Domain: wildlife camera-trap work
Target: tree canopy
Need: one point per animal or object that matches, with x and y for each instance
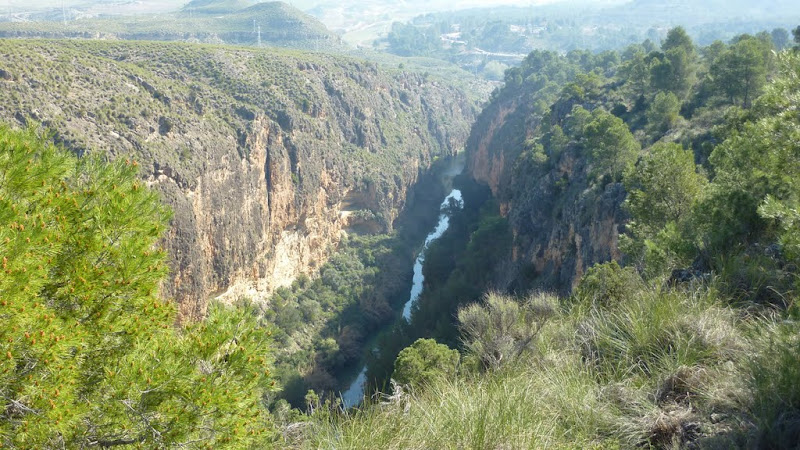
(90, 352)
(423, 361)
(610, 143)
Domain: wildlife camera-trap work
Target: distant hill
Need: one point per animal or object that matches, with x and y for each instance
(218, 6)
(691, 12)
(207, 21)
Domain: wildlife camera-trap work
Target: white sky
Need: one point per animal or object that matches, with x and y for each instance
(302, 4)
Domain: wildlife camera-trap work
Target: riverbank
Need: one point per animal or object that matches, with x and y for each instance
(354, 395)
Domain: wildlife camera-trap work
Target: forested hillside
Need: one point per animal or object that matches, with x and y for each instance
(657, 192)
(298, 145)
(271, 162)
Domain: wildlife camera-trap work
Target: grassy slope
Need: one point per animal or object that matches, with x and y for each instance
(664, 369)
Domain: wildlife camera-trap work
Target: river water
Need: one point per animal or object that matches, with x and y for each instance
(355, 394)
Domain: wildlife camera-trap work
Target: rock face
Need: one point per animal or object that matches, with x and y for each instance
(561, 221)
(265, 157)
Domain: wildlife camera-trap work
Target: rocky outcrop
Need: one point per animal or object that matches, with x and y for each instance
(563, 224)
(562, 221)
(265, 158)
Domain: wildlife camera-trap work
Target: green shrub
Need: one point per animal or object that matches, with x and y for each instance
(608, 285)
(611, 145)
(424, 361)
(664, 112)
(500, 330)
(658, 332)
(775, 372)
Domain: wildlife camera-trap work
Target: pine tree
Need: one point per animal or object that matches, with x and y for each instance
(90, 352)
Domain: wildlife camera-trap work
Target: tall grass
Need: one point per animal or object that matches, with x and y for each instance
(559, 407)
(775, 385)
(655, 369)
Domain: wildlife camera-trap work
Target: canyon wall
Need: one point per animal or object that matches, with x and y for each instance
(266, 157)
(562, 221)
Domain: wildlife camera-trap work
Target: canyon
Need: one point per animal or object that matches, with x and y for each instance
(266, 157)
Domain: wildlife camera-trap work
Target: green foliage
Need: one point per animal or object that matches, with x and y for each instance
(423, 362)
(577, 121)
(756, 162)
(648, 372)
(556, 142)
(656, 332)
(739, 73)
(780, 38)
(514, 408)
(664, 112)
(775, 371)
(458, 267)
(707, 359)
(674, 70)
(636, 72)
(663, 189)
(408, 40)
(322, 324)
(677, 38)
(90, 352)
(608, 285)
(494, 70)
(612, 147)
(788, 218)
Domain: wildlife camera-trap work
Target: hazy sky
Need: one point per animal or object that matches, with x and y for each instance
(302, 4)
(436, 4)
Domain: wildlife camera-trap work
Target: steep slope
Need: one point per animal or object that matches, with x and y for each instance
(264, 156)
(646, 354)
(217, 22)
(560, 225)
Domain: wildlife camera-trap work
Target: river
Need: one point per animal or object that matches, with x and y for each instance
(355, 394)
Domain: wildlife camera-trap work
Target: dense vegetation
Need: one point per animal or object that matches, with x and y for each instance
(91, 355)
(692, 340)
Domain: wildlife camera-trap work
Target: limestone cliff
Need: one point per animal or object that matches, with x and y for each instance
(265, 157)
(561, 220)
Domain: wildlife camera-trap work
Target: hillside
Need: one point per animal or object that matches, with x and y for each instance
(214, 22)
(631, 282)
(264, 156)
(217, 6)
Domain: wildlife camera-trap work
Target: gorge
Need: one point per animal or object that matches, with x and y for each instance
(291, 144)
(355, 392)
(207, 245)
